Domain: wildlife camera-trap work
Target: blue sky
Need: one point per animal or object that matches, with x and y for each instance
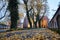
(53, 4)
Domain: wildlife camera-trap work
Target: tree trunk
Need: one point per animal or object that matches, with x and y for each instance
(13, 8)
(37, 20)
(27, 13)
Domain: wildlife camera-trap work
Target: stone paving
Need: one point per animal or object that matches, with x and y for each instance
(33, 34)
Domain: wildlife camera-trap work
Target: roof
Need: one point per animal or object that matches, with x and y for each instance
(55, 13)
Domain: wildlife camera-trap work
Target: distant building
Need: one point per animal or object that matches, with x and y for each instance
(44, 22)
(55, 21)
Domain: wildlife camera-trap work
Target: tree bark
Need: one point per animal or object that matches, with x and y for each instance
(13, 8)
(27, 13)
(28, 16)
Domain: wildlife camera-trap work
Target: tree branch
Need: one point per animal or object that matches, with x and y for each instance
(43, 14)
(30, 9)
(3, 6)
(25, 1)
(4, 15)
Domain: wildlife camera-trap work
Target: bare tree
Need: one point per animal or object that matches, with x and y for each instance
(27, 12)
(35, 5)
(38, 6)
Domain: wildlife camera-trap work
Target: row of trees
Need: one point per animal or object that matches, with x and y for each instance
(35, 15)
(33, 12)
(14, 12)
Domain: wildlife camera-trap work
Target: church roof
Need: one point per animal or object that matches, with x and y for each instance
(55, 13)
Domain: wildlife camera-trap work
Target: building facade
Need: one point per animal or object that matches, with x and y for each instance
(44, 22)
(55, 21)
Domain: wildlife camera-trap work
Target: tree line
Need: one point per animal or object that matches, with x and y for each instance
(13, 8)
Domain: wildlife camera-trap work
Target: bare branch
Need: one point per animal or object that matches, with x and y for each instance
(43, 14)
(30, 9)
(4, 15)
(3, 6)
(25, 1)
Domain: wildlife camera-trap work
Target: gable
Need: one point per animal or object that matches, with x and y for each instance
(57, 13)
